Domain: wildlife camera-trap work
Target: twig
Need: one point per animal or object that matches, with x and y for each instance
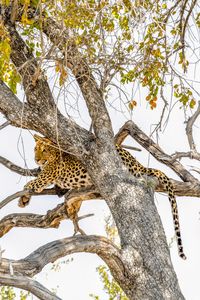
(196, 170)
(4, 125)
(189, 126)
(85, 216)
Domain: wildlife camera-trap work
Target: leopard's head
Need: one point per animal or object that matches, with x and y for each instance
(45, 150)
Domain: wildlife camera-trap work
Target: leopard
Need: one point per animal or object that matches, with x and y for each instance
(57, 167)
(68, 172)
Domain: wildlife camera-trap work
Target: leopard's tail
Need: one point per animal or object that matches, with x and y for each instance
(174, 208)
(165, 181)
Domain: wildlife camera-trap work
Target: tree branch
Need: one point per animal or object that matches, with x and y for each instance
(37, 260)
(52, 219)
(130, 128)
(36, 88)
(189, 154)
(17, 113)
(25, 283)
(189, 127)
(26, 194)
(21, 171)
(4, 125)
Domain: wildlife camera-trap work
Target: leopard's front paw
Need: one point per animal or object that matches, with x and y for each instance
(24, 200)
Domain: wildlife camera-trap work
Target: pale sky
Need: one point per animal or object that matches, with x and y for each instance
(77, 279)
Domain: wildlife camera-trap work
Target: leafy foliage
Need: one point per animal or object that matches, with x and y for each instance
(141, 41)
(8, 72)
(7, 293)
(110, 286)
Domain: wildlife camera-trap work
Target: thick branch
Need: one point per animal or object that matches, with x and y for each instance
(189, 127)
(130, 128)
(36, 261)
(24, 172)
(29, 285)
(72, 204)
(16, 112)
(183, 189)
(35, 85)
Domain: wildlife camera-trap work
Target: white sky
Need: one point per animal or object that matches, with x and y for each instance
(77, 279)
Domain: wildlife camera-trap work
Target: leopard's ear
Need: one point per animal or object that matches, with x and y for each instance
(38, 138)
(42, 139)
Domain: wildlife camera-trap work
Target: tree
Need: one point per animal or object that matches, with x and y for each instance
(96, 46)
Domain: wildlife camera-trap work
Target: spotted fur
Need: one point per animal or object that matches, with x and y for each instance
(139, 170)
(66, 171)
(58, 167)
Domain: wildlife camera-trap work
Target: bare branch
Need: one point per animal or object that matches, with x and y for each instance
(131, 128)
(130, 148)
(26, 193)
(190, 154)
(25, 283)
(35, 262)
(51, 220)
(53, 217)
(4, 125)
(196, 170)
(189, 126)
(188, 189)
(24, 172)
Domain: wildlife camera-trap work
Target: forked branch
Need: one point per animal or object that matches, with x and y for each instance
(52, 219)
